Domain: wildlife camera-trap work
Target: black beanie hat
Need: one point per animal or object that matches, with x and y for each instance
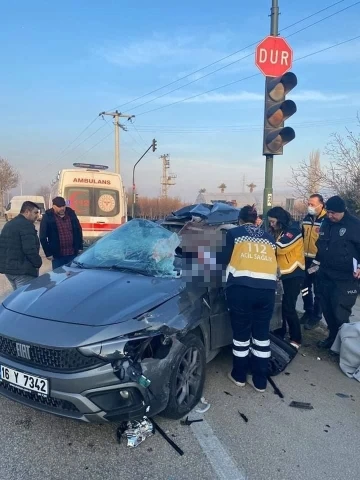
(336, 204)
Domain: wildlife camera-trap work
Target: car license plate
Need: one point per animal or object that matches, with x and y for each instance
(25, 381)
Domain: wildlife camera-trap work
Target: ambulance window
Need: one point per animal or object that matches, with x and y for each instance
(106, 203)
(79, 200)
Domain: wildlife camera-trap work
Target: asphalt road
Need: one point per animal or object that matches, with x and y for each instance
(277, 442)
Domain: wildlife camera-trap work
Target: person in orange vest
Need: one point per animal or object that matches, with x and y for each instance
(291, 263)
(310, 229)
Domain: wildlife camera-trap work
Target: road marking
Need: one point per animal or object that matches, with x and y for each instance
(218, 457)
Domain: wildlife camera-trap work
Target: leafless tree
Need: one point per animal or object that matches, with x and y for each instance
(45, 191)
(341, 176)
(9, 178)
(308, 177)
(157, 207)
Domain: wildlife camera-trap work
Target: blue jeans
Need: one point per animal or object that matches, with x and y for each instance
(60, 261)
(17, 281)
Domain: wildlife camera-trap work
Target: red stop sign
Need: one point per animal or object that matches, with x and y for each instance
(273, 56)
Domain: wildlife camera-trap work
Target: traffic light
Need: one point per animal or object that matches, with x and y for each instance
(154, 143)
(277, 110)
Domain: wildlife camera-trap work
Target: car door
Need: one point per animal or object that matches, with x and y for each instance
(220, 325)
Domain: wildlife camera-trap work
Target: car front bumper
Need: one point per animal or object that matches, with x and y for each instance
(95, 395)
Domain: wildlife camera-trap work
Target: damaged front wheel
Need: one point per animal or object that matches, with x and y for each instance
(187, 378)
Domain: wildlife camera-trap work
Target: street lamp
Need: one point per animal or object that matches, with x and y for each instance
(153, 146)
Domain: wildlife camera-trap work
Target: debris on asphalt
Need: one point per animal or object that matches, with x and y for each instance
(228, 393)
(276, 389)
(303, 354)
(312, 385)
(135, 432)
(287, 373)
(189, 422)
(244, 417)
(327, 431)
(206, 406)
(328, 426)
(343, 395)
(302, 405)
(306, 370)
(318, 358)
(163, 434)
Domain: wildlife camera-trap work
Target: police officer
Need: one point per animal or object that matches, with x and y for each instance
(310, 228)
(338, 264)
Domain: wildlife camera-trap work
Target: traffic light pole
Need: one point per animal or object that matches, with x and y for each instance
(269, 159)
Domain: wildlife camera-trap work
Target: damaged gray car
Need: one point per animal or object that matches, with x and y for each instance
(120, 332)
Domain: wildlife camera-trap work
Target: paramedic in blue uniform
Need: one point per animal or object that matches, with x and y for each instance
(250, 262)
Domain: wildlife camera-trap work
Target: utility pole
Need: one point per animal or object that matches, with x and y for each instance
(167, 179)
(269, 159)
(116, 116)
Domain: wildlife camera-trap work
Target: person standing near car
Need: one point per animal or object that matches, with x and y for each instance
(338, 266)
(291, 262)
(60, 234)
(20, 259)
(310, 228)
(250, 262)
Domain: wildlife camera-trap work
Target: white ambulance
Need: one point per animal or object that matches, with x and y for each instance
(98, 198)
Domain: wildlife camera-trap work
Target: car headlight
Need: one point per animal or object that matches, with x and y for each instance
(156, 346)
(113, 349)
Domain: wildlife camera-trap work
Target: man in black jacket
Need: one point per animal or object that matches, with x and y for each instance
(60, 234)
(338, 264)
(19, 247)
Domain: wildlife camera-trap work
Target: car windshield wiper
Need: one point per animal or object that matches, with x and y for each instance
(78, 264)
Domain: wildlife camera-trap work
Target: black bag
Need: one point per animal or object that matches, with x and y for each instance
(282, 353)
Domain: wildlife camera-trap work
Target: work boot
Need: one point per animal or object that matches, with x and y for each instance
(312, 323)
(305, 318)
(327, 343)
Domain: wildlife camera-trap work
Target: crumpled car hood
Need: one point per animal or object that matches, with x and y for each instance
(91, 297)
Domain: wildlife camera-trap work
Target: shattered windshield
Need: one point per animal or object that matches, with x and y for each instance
(140, 245)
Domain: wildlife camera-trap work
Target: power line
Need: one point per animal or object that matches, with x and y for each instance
(73, 149)
(244, 78)
(87, 138)
(96, 144)
(236, 128)
(137, 131)
(328, 48)
(240, 59)
(313, 15)
(323, 19)
(83, 131)
(228, 56)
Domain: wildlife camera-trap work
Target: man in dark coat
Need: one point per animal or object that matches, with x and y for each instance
(60, 234)
(338, 264)
(19, 247)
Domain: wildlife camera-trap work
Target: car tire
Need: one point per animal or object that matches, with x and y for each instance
(186, 390)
